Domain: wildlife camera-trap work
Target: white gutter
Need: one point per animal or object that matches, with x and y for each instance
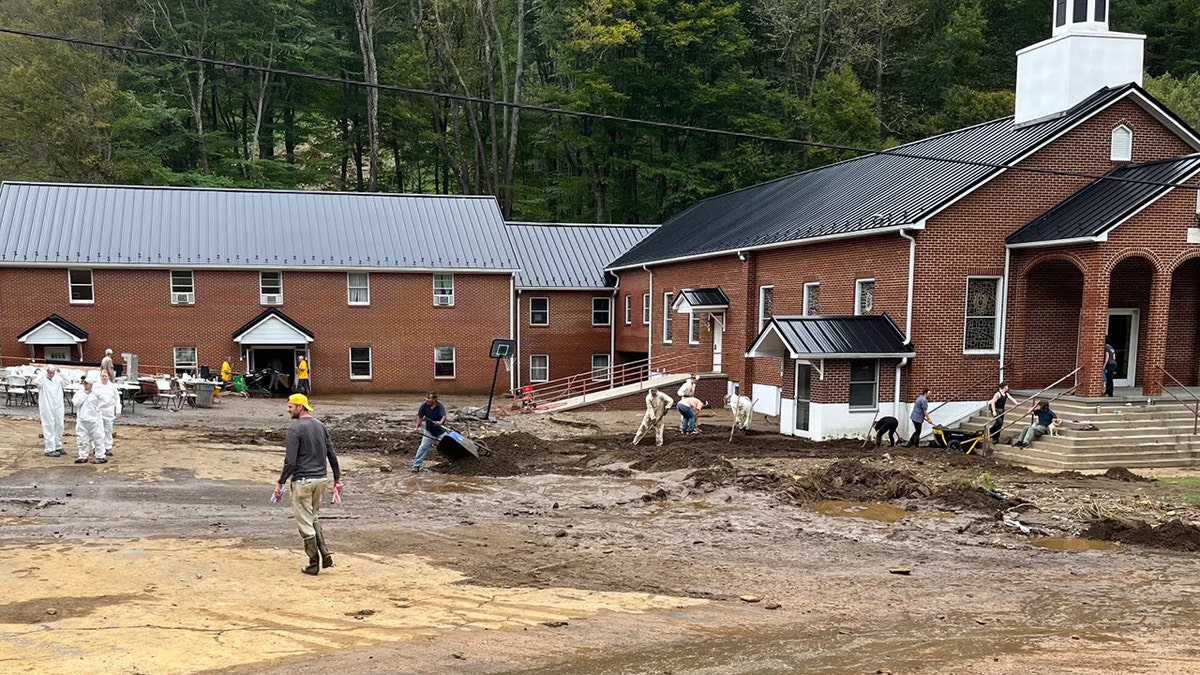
(650, 328)
(1061, 242)
(1004, 308)
(783, 244)
(514, 331)
(912, 266)
(246, 265)
(612, 329)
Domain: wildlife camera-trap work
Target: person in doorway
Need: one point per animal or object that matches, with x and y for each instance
(50, 405)
(302, 384)
(226, 373)
(110, 409)
(1110, 366)
(920, 415)
(106, 365)
(996, 406)
(309, 449)
(89, 426)
(886, 425)
(433, 415)
(1043, 417)
(688, 388)
(657, 405)
(689, 408)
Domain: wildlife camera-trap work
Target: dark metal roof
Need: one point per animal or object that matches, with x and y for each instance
(1105, 204)
(865, 194)
(557, 255)
(275, 313)
(826, 337)
(57, 321)
(92, 225)
(703, 298)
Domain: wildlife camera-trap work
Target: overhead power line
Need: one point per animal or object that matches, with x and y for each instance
(83, 42)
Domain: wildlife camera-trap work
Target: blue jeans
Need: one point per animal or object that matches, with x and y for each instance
(687, 418)
(428, 440)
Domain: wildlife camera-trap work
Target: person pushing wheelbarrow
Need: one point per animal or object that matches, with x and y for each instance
(433, 414)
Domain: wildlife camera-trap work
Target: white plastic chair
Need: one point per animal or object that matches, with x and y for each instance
(15, 387)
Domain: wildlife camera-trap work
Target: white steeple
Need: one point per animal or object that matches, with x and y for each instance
(1082, 57)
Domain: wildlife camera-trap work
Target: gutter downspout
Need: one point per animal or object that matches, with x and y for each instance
(514, 306)
(912, 264)
(612, 330)
(650, 327)
(1004, 310)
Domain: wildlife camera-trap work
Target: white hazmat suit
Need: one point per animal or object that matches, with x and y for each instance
(110, 410)
(657, 405)
(50, 405)
(743, 410)
(89, 425)
(688, 388)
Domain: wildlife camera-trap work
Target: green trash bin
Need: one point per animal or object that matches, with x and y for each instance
(204, 396)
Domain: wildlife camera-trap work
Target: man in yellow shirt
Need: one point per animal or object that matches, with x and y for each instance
(226, 371)
(302, 384)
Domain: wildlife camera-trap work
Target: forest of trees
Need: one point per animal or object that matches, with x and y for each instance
(864, 73)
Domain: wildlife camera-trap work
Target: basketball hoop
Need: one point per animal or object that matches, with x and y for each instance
(508, 363)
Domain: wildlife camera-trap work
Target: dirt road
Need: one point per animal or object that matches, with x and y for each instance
(567, 551)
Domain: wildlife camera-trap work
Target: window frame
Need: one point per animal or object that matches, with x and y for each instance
(808, 308)
(628, 309)
(646, 300)
(91, 286)
(546, 310)
(262, 294)
(195, 363)
(351, 362)
(668, 319)
(693, 328)
(995, 349)
(350, 288)
(453, 362)
(859, 285)
(545, 367)
(1127, 137)
(449, 297)
(851, 383)
(65, 350)
(762, 305)
(606, 368)
(607, 311)
(175, 293)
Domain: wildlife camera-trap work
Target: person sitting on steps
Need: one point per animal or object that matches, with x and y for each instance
(1043, 418)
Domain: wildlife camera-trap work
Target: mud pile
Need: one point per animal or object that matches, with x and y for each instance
(1174, 534)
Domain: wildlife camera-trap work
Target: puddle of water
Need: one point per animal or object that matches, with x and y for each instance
(1069, 544)
(884, 513)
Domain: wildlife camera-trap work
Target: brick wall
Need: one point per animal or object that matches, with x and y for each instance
(569, 339)
(132, 313)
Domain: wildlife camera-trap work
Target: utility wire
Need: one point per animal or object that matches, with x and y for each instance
(83, 42)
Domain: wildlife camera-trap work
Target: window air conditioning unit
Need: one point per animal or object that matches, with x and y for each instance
(183, 298)
(441, 300)
(270, 299)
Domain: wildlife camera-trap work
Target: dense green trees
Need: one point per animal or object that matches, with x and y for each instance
(868, 73)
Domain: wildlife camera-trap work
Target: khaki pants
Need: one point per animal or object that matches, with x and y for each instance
(652, 420)
(306, 502)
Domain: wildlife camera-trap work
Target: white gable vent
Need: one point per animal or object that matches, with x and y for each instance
(1122, 144)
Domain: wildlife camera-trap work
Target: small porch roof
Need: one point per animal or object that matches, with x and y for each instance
(54, 330)
(831, 337)
(692, 300)
(272, 327)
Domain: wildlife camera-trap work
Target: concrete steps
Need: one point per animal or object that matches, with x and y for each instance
(1130, 436)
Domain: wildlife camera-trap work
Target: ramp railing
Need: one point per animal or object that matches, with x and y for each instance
(1194, 408)
(544, 394)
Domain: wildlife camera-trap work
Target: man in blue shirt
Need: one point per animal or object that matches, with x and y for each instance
(920, 415)
(1043, 418)
(433, 414)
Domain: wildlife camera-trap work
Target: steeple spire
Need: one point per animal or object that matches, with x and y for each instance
(1080, 15)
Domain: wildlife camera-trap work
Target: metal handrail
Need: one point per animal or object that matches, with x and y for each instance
(1195, 411)
(987, 427)
(582, 384)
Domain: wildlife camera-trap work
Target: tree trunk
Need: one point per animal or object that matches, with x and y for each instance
(364, 20)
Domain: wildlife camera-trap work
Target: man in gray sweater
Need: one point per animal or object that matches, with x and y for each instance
(308, 450)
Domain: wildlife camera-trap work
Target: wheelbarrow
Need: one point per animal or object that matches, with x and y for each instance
(957, 439)
(455, 446)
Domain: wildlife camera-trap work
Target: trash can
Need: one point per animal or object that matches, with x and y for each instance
(204, 396)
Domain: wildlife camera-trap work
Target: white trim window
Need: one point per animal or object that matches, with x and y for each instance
(1122, 144)
(601, 311)
(443, 363)
(358, 288)
(628, 309)
(812, 299)
(80, 288)
(981, 317)
(539, 367)
(183, 287)
(646, 296)
(694, 328)
(443, 290)
(766, 305)
(864, 297)
(668, 320)
(360, 363)
(186, 360)
(539, 311)
(600, 368)
(270, 287)
(864, 384)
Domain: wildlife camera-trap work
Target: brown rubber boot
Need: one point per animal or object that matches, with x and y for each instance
(326, 558)
(314, 556)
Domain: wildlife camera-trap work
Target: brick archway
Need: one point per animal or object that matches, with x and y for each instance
(1131, 285)
(1182, 352)
(1049, 307)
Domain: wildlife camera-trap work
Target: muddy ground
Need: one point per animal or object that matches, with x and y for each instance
(567, 550)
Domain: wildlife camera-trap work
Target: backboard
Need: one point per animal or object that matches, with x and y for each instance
(503, 348)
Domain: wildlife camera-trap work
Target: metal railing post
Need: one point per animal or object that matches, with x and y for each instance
(1195, 411)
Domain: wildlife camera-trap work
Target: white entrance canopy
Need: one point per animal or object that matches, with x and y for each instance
(56, 331)
(692, 300)
(272, 327)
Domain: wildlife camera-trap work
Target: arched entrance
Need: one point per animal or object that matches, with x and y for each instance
(1129, 288)
(1053, 300)
(1183, 325)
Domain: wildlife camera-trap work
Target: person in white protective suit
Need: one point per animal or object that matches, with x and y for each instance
(657, 405)
(110, 408)
(688, 388)
(743, 410)
(89, 425)
(50, 405)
